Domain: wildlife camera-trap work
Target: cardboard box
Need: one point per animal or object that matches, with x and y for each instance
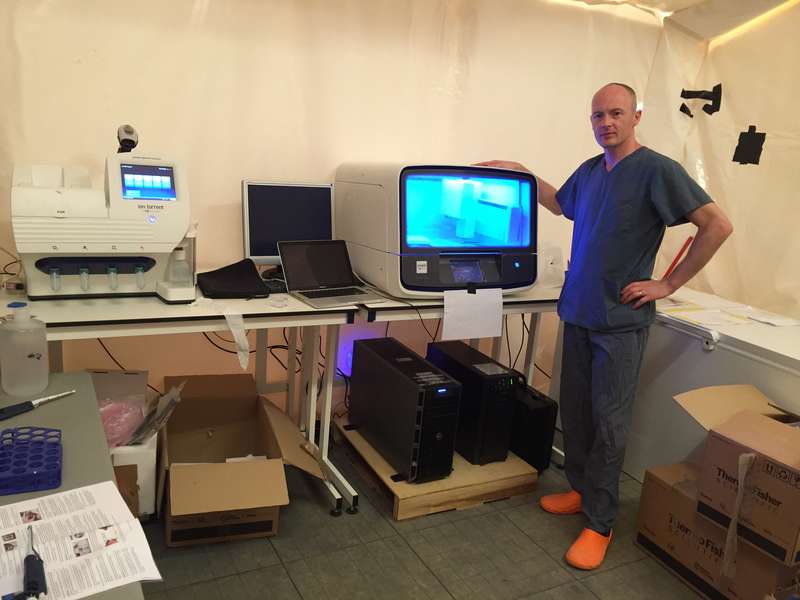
(131, 386)
(741, 420)
(670, 529)
(126, 477)
(221, 417)
(770, 514)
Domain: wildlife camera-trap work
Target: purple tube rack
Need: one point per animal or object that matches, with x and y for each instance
(30, 459)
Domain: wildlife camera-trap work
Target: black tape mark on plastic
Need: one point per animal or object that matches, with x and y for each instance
(748, 150)
(714, 95)
(686, 110)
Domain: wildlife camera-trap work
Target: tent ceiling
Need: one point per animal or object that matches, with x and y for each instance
(705, 18)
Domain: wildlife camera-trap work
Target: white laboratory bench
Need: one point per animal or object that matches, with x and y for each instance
(134, 316)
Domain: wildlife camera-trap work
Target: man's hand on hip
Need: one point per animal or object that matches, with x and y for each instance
(642, 292)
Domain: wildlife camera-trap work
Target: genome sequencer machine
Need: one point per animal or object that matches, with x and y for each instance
(419, 230)
(134, 238)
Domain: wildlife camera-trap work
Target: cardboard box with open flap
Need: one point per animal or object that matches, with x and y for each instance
(670, 529)
(219, 418)
(742, 421)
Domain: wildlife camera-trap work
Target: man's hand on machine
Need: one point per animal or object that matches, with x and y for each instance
(642, 292)
(503, 164)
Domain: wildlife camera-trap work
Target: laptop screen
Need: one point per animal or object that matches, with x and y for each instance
(316, 265)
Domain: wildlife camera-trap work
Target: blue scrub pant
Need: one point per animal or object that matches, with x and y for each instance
(599, 373)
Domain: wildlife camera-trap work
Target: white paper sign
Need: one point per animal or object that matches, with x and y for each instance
(475, 315)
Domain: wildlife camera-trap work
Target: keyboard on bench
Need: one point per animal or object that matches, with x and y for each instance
(333, 293)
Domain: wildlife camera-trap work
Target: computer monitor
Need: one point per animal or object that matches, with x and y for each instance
(282, 212)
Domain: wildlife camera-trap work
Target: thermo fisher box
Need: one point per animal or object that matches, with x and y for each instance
(417, 230)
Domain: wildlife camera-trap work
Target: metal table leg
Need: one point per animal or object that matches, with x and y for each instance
(310, 359)
(333, 474)
(261, 361)
(291, 368)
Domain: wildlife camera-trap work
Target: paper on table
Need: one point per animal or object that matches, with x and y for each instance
(709, 317)
(87, 537)
(769, 318)
(472, 315)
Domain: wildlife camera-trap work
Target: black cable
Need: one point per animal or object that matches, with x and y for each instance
(280, 362)
(436, 333)
(406, 302)
(116, 362)
(538, 368)
(386, 333)
(13, 262)
(223, 338)
(213, 343)
(508, 340)
(521, 342)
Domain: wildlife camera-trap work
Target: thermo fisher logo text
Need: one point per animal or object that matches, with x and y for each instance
(766, 497)
(678, 527)
(727, 477)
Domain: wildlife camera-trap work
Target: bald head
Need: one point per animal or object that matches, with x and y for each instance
(619, 87)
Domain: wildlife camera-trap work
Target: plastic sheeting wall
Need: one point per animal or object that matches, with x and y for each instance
(757, 66)
(282, 90)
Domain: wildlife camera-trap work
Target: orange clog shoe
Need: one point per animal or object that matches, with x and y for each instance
(568, 503)
(589, 550)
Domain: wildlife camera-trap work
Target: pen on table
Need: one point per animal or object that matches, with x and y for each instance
(23, 407)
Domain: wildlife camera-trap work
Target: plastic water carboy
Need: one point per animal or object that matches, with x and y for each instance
(24, 367)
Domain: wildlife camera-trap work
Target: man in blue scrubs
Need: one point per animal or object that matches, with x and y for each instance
(620, 201)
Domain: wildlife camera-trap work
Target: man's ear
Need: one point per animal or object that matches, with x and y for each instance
(637, 116)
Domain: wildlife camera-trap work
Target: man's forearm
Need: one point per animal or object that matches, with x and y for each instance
(706, 243)
(547, 197)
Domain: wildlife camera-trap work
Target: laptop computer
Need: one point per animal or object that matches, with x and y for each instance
(319, 273)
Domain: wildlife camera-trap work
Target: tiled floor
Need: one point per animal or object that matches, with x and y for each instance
(507, 549)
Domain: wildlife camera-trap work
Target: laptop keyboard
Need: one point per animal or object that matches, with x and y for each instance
(333, 293)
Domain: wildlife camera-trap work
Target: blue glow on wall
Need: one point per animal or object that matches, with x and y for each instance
(347, 335)
(446, 211)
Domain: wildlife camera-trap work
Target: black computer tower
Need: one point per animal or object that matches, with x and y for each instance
(534, 427)
(405, 407)
(487, 400)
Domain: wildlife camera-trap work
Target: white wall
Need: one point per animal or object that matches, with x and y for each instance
(282, 90)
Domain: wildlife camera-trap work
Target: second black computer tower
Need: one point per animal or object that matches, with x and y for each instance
(534, 427)
(487, 400)
(405, 407)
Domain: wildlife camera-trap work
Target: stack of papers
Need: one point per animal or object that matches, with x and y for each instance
(721, 314)
(87, 538)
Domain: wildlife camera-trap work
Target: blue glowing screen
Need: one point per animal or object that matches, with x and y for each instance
(147, 182)
(459, 211)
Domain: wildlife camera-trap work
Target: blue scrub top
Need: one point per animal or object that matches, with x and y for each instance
(619, 221)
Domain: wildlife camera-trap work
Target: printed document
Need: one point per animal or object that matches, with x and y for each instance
(87, 538)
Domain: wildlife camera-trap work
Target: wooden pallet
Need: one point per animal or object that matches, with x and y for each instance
(468, 484)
